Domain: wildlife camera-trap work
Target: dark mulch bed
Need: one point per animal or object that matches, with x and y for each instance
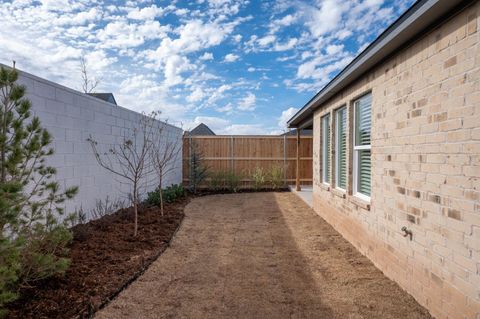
(105, 258)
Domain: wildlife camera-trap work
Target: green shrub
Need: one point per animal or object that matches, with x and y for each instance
(259, 177)
(170, 194)
(232, 181)
(179, 190)
(217, 181)
(173, 193)
(276, 177)
(198, 169)
(153, 198)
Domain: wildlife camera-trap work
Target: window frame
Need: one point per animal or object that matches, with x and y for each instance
(337, 148)
(325, 155)
(356, 150)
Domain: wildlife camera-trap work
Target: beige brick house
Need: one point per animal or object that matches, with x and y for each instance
(397, 144)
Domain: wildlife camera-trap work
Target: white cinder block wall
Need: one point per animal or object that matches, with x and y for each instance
(71, 117)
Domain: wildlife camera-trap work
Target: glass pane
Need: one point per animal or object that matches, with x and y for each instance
(342, 148)
(364, 172)
(363, 120)
(326, 148)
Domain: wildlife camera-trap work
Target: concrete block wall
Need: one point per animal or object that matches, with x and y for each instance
(425, 168)
(71, 117)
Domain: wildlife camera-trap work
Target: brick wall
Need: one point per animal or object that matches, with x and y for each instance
(425, 168)
(71, 117)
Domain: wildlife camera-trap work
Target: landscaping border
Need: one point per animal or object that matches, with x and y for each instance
(92, 311)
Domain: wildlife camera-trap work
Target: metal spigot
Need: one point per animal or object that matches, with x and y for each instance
(407, 232)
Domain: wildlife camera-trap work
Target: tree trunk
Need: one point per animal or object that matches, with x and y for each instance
(135, 211)
(161, 201)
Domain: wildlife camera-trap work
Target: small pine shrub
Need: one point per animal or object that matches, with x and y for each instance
(33, 240)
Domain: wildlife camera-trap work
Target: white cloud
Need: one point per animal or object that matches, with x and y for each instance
(248, 102)
(146, 13)
(216, 124)
(244, 129)
(251, 69)
(228, 108)
(79, 18)
(196, 95)
(122, 34)
(237, 38)
(231, 57)
(290, 44)
(218, 93)
(269, 39)
(326, 18)
(333, 49)
(206, 56)
(182, 12)
(286, 115)
(98, 60)
(285, 21)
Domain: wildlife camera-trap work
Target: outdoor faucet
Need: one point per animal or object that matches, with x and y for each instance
(407, 232)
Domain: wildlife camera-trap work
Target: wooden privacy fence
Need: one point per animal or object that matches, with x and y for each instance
(242, 154)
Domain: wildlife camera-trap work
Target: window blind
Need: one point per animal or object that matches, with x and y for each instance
(364, 169)
(363, 121)
(341, 152)
(326, 148)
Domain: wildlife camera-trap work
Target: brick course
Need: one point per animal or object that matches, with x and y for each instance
(425, 168)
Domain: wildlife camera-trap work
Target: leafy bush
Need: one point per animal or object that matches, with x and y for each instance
(170, 194)
(232, 181)
(276, 177)
(153, 198)
(224, 180)
(217, 181)
(33, 243)
(173, 193)
(259, 177)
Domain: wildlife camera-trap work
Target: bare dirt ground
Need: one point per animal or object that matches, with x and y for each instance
(260, 255)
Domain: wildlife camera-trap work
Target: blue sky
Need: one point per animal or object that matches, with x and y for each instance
(241, 67)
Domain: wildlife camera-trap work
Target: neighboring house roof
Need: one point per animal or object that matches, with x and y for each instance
(107, 97)
(304, 132)
(423, 15)
(201, 129)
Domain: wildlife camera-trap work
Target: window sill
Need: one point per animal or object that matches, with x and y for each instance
(339, 192)
(325, 186)
(360, 202)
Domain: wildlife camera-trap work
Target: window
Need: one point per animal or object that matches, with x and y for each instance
(326, 149)
(341, 148)
(361, 147)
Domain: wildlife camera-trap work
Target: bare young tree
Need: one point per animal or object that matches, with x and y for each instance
(88, 84)
(164, 155)
(130, 158)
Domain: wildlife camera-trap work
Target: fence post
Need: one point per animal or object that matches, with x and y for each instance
(231, 155)
(190, 161)
(297, 181)
(285, 159)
